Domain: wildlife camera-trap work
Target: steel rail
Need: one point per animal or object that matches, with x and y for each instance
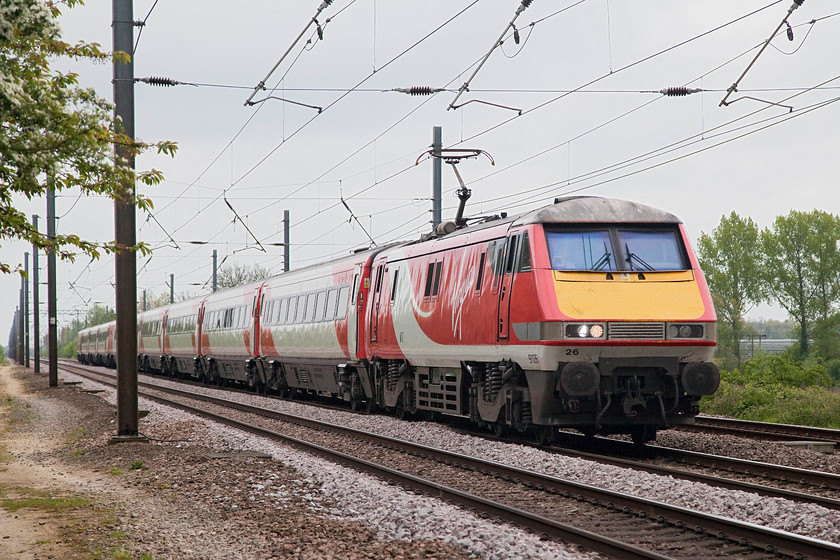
(765, 430)
(742, 533)
(716, 462)
(781, 473)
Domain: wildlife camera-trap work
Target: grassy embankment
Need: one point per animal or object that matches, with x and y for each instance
(778, 389)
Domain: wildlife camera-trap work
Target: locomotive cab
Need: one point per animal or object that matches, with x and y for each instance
(627, 322)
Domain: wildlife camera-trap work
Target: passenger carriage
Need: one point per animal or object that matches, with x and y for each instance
(181, 337)
(150, 325)
(228, 348)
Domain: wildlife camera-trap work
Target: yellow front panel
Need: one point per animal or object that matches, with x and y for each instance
(661, 296)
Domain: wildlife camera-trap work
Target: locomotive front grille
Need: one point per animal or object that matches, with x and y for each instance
(636, 331)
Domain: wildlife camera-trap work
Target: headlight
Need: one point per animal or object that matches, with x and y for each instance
(584, 330)
(685, 331)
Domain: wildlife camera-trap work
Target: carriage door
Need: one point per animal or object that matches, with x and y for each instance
(255, 321)
(506, 284)
(353, 314)
(374, 303)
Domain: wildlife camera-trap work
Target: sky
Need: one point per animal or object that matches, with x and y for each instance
(574, 108)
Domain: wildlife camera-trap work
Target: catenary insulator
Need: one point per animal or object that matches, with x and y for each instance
(419, 90)
(526, 3)
(159, 81)
(678, 91)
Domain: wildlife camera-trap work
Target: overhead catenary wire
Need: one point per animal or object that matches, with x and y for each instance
(568, 92)
(244, 125)
(734, 87)
(819, 87)
(465, 87)
(575, 90)
(333, 103)
(261, 85)
(142, 25)
(783, 117)
(614, 72)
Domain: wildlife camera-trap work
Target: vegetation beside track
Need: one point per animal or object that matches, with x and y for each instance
(779, 389)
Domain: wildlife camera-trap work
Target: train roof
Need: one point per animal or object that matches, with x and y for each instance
(588, 209)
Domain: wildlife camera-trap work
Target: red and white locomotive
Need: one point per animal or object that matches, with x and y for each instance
(591, 313)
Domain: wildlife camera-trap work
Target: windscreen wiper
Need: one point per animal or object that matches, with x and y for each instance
(634, 258)
(603, 261)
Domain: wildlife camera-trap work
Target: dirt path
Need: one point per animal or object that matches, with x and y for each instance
(46, 507)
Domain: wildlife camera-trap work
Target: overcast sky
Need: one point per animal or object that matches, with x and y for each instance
(613, 136)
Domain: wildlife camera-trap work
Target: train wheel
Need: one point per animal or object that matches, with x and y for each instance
(399, 410)
(543, 434)
(499, 429)
(642, 434)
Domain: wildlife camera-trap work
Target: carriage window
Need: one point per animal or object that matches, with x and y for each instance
(343, 295)
(379, 272)
(310, 308)
(332, 299)
(511, 253)
(394, 285)
(438, 267)
(320, 306)
(280, 315)
(524, 263)
(290, 317)
(498, 254)
(430, 275)
(480, 271)
(301, 307)
(355, 285)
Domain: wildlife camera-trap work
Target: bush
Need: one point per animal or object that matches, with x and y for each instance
(776, 389)
(773, 370)
(832, 368)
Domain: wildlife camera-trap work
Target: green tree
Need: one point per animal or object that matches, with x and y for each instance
(237, 275)
(54, 132)
(801, 267)
(730, 259)
(154, 300)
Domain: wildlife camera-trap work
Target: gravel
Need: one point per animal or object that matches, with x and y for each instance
(296, 490)
(345, 494)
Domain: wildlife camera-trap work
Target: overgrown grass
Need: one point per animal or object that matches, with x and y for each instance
(46, 504)
(777, 389)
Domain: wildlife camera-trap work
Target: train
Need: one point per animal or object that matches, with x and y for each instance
(590, 314)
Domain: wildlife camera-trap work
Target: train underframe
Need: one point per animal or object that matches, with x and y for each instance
(636, 396)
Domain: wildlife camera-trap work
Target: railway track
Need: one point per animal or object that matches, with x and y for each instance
(776, 481)
(763, 430)
(612, 523)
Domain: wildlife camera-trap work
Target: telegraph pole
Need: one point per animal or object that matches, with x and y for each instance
(285, 241)
(21, 329)
(437, 146)
(52, 308)
(125, 229)
(16, 330)
(36, 317)
(171, 288)
(26, 309)
(215, 283)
